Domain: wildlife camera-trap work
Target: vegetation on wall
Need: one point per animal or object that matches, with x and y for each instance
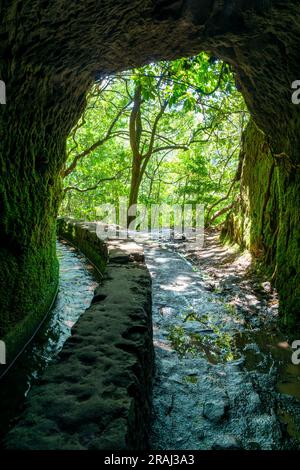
(174, 133)
(263, 220)
(46, 84)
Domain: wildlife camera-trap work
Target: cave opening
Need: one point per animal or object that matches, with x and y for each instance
(46, 77)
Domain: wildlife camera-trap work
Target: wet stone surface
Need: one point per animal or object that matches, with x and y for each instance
(78, 281)
(218, 376)
(97, 393)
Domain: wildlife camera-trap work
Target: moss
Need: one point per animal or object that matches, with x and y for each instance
(267, 220)
(28, 283)
(46, 81)
(83, 236)
(19, 333)
(192, 379)
(33, 128)
(288, 249)
(29, 268)
(255, 222)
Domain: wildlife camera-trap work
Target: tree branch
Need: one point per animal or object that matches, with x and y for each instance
(95, 186)
(221, 212)
(96, 144)
(171, 147)
(208, 220)
(154, 128)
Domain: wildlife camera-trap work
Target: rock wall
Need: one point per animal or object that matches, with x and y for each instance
(97, 395)
(83, 236)
(266, 220)
(50, 54)
(254, 222)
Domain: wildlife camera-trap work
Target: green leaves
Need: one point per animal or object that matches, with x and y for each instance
(204, 113)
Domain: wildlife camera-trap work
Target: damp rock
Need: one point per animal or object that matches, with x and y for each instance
(227, 442)
(214, 410)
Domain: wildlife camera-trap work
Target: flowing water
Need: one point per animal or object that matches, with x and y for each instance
(220, 383)
(78, 279)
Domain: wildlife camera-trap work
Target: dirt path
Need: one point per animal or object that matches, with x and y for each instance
(222, 366)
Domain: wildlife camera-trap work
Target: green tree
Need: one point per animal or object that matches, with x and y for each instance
(167, 132)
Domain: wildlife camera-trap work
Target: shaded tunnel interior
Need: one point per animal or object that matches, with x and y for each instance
(51, 54)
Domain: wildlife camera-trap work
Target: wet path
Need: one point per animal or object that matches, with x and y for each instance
(77, 283)
(218, 381)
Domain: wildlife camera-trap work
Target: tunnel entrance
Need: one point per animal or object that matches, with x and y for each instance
(256, 39)
(47, 77)
(163, 138)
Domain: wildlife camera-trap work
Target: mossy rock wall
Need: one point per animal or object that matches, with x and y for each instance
(98, 393)
(288, 244)
(83, 235)
(32, 152)
(29, 268)
(267, 217)
(51, 53)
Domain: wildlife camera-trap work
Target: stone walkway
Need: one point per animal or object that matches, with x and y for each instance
(224, 377)
(97, 393)
(215, 387)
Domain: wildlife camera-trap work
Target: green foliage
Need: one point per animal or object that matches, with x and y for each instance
(218, 347)
(196, 142)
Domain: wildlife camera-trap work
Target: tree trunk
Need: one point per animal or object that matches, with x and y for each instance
(135, 184)
(135, 132)
(51, 51)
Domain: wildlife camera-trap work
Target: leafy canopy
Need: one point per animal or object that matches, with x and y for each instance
(196, 142)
